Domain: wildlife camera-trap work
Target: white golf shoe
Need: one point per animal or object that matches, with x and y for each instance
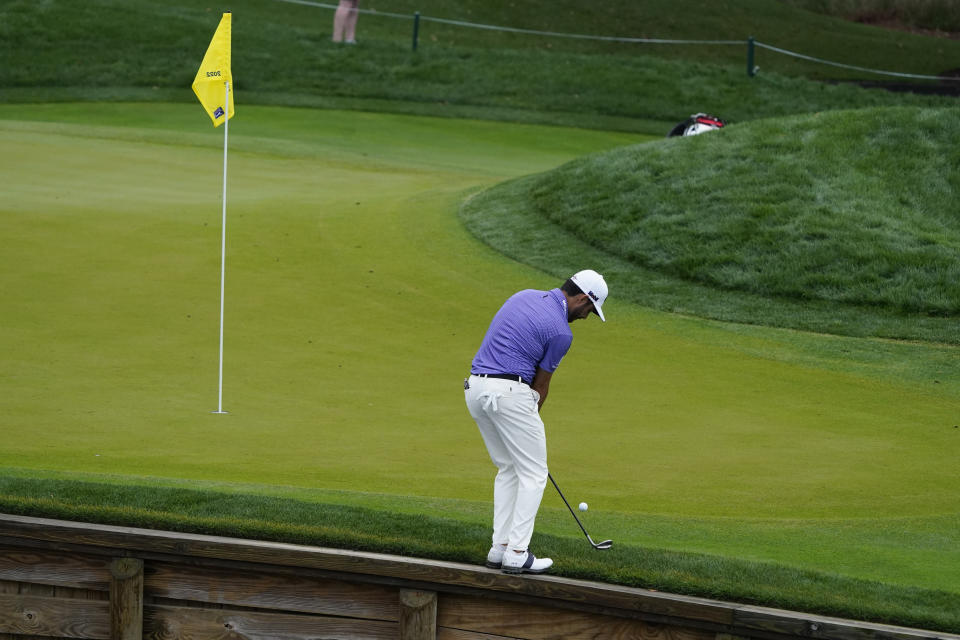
(495, 556)
(524, 562)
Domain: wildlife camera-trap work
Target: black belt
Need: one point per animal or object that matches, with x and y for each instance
(503, 376)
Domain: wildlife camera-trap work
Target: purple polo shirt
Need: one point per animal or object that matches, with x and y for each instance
(530, 330)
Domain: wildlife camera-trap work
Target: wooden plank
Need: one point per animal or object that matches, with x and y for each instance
(418, 615)
(34, 589)
(66, 618)
(635, 600)
(751, 619)
(531, 622)
(443, 633)
(413, 569)
(54, 568)
(27, 588)
(8, 586)
(126, 599)
(187, 623)
(267, 590)
(83, 594)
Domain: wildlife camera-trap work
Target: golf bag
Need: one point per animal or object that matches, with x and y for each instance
(696, 124)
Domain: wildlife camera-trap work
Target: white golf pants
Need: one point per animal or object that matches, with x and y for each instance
(506, 413)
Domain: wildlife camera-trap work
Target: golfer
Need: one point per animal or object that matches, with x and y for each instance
(508, 384)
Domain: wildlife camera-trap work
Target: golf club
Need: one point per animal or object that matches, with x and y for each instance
(603, 546)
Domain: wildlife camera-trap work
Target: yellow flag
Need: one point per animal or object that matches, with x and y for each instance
(214, 73)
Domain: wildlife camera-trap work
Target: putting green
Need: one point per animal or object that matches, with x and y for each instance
(354, 303)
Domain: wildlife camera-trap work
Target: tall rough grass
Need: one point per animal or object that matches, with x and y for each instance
(940, 15)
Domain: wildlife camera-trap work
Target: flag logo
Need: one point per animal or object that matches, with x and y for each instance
(214, 80)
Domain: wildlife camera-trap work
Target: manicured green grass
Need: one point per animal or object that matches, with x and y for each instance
(110, 50)
(355, 301)
(841, 222)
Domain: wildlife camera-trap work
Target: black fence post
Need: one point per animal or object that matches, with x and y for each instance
(751, 69)
(416, 28)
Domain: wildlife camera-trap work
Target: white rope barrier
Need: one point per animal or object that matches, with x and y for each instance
(322, 5)
(850, 66)
(556, 34)
(491, 27)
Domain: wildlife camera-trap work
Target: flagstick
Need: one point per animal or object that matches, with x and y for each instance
(223, 239)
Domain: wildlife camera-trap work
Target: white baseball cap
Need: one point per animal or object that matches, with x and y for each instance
(592, 284)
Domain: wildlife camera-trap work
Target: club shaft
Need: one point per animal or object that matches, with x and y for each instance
(557, 487)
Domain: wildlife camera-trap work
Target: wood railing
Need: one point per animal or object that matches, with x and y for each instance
(74, 580)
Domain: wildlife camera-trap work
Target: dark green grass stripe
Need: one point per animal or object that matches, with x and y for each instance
(338, 526)
(457, 71)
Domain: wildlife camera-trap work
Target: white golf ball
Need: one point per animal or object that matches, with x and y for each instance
(583, 506)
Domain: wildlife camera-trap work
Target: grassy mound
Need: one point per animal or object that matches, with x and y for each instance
(851, 209)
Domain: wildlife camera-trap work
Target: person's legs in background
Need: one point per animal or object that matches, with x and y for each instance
(345, 21)
(350, 29)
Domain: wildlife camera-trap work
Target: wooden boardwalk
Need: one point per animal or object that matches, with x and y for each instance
(62, 579)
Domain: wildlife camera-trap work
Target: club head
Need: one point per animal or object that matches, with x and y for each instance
(602, 546)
